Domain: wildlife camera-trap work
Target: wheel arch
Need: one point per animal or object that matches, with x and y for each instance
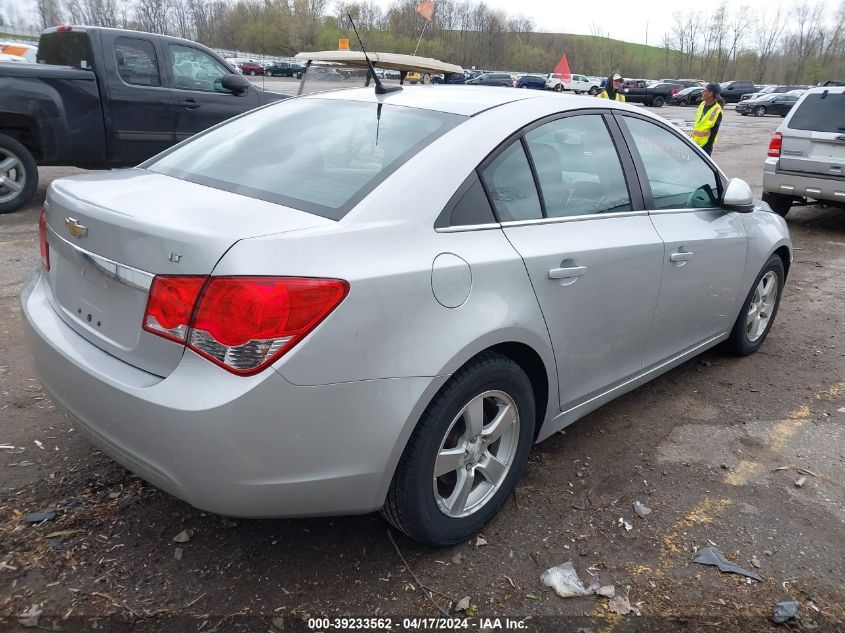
(24, 130)
(531, 353)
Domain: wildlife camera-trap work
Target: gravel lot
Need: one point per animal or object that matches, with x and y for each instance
(712, 447)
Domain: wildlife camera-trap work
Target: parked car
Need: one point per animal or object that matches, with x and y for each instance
(687, 96)
(807, 153)
(771, 90)
(251, 68)
(655, 95)
(230, 377)
(284, 69)
(772, 103)
(537, 82)
(491, 79)
(732, 91)
(578, 84)
(686, 83)
(450, 78)
(102, 98)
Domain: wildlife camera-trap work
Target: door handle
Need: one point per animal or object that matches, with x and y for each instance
(680, 256)
(570, 272)
(190, 104)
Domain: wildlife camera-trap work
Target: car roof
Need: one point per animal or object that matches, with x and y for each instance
(464, 100)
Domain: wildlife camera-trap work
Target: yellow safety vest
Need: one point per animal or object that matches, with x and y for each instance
(704, 123)
(619, 96)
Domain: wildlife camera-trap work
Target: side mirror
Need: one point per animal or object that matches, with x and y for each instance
(738, 197)
(236, 84)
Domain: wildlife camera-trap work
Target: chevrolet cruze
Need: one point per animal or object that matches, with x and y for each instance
(350, 302)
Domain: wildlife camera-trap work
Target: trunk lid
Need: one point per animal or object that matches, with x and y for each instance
(110, 233)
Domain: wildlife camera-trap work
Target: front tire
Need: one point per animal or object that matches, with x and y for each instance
(760, 111)
(559, 88)
(759, 310)
(18, 175)
(466, 454)
(594, 91)
(780, 204)
(658, 102)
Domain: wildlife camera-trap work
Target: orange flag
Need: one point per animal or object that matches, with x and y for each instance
(426, 9)
(562, 69)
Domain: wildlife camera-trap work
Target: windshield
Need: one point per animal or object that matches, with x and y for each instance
(768, 90)
(318, 155)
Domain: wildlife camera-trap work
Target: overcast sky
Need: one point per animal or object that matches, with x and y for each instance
(623, 19)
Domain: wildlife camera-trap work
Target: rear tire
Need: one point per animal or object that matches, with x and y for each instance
(18, 175)
(658, 102)
(594, 91)
(558, 88)
(780, 204)
(421, 505)
(762, 301)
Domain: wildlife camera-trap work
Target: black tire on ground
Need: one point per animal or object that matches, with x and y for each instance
(252, 72)
(744, 113)
(594, 91)
(26, 181)
(780, 204)
(411, 505)
(739, 343)
(658, 102)
(559, 88)
(760, 111)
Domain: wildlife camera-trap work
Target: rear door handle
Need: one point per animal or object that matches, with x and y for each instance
(190, 104)
(680, 256)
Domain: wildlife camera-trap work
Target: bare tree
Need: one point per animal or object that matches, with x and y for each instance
(49, 12)
(805, 40)
(767, 34)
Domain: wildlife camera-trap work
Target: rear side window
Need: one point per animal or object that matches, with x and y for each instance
(468, 207)
(318, 155)
(511, 186)
(71, 48)
(136, 61)
(821, 112)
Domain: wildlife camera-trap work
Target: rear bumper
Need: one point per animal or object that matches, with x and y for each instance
(800, 186)
(251, 447)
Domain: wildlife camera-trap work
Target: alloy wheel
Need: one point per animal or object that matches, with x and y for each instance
(762, 306)
(476, 454)
(12, 175)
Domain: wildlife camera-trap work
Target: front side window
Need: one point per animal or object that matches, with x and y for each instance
(317, 155)
(578, 167)
(194, 70)
(678, 176)
(136, 61)
(511, 186)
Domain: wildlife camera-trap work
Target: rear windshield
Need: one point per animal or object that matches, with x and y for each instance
(821, 112)
(71, 48)
(317, 155)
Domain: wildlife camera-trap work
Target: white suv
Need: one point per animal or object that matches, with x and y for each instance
(578, 84)
(807, 153)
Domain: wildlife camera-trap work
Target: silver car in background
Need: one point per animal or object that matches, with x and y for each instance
(806, 158)
(349, 302)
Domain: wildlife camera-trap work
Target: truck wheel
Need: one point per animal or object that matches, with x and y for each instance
(559, 88)
(18, 175)
(594, 91)
(780, 204)
(658, 102)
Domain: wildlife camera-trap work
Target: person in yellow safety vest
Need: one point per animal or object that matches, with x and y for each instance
(611, 90)
(708, 118)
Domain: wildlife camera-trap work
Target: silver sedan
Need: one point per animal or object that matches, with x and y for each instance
(351, 302)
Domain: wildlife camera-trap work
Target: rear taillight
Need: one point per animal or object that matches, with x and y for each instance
(42, 240)
(171, 305)
(243, 324)
(64, 28)
(775, 144)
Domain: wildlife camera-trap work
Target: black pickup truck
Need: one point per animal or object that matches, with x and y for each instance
(654, 95)
(101, 98)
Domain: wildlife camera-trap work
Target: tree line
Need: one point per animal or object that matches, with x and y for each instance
(804, 43)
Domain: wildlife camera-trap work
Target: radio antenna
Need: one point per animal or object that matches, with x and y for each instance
(381, 89)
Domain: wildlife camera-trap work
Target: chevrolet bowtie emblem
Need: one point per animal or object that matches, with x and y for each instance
(75, 228)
